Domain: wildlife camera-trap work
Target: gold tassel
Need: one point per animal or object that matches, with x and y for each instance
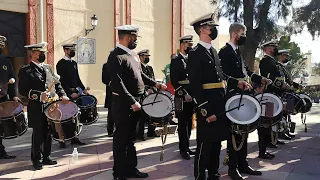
(163, 138)
(194, 121)
(226, 160)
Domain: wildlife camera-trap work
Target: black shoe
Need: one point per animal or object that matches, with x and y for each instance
(272, 155)
(191, 152)
(280, 143)
(153, 134)
(291, 135)
(119, 178)
(265, 156)
(6, 156)
(110, 134)
(49, 161)
(185, 155)
(284, 136)
(173, 123)
(37, 165)
(138, 174)
(270, 145)
(250, 171)
(77, 142)
(62, 145)
(141, 138)
(234, 174)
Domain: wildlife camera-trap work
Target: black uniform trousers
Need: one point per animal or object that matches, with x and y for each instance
(2, 148)
(144, 118)
(110, 123)
(184, 126)
(124, 151)
(237, 159)
(41, 139)
(207, 157)
(264, 139)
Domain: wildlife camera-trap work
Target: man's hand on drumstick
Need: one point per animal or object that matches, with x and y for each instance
(188, 98)
(136, 107)
(161, 86)
(244, 84)
(65, 99)
(44, 96)
(266, 81)
(86, 92)
(211, 118)
(74, 95)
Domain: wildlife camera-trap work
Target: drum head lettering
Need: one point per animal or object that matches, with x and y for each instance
(246, 114)
(85, 101)
(10, 108)
(162, 105)
(277, 102)
(67, 111)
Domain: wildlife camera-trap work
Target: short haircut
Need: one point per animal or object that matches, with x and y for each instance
(197, 29)
(236, 27)
(121, 36)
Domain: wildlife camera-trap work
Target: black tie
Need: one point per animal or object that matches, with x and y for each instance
(238, 52)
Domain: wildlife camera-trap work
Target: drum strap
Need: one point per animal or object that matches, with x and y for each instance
(234, 143)
(274, 135)
(164, 139)
(303, 120)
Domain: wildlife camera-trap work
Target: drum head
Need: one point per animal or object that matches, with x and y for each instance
(162, 107)
(166, 92)
(10, 108)
(85, 101)
(246, 114)
(268, 97)
(58, 111)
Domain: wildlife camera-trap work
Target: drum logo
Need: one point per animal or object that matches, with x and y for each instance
(278, 83)
(4, 67)
(180, 93)
(34, 96)
(203, 112)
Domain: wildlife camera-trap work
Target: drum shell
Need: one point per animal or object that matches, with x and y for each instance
(268, 122)
(298, 103)
(13, 127)
(70, 128)
(307, 107)
(89, 113)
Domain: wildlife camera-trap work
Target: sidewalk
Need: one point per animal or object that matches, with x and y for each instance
(299, 159)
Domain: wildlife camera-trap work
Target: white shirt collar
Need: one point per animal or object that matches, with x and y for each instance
(38, 64)
(184, 56)
(269, 56)
(206, 45)
(124, 48)
(234, 47)
(67, 59)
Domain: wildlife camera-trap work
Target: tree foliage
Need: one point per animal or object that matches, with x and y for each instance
(297, 62)
(306, 16)
(259, 16)
(316, 69)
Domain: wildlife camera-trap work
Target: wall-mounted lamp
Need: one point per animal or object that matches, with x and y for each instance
(94, 23)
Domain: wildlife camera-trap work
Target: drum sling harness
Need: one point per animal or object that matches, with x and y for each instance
(303, 120)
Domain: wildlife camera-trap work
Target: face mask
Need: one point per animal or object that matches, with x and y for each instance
(275, 52)
(132, 44)
(42, 58)
(72, 54)
(214, 33)
(188, 50)
(242, 40)
(285, 61)
(146, 60)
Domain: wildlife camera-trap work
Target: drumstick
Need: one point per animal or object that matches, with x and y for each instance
(55, 79)
(264, 88)
(232, 109)
(242, 92)
(150, 103)
(155, 97)
(11, 81)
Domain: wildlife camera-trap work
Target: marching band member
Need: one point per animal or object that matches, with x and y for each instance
(34, 80)
(6, 92)
(207, 82)
(144, 118)
(70, 80)
(268, 67)
(233, 65)
(128, 83)
(180, 82)
(108, 100)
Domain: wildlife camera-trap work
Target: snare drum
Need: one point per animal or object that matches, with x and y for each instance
(308, 102)
(158, 106)
(246, 118)
(293, 103)
(277, 108)
(63, 120)
(12, 120)
(88, 108)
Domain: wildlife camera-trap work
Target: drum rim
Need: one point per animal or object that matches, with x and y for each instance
(279, 111)
(159, 94)
(45, 110)
(255, 101)
(304, 95)
(9, 117)
(63, 121)
(88, 106)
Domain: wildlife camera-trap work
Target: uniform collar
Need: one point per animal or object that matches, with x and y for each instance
(40, 65)
(184, 56)
(124, 48)
(206, 45)
(269, 56)
(234, 47)
(67, 58)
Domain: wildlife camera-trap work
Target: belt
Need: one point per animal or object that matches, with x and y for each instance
(73, 89)
(214, 85)
(184, 82)
(280, 78)
(244, 79)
